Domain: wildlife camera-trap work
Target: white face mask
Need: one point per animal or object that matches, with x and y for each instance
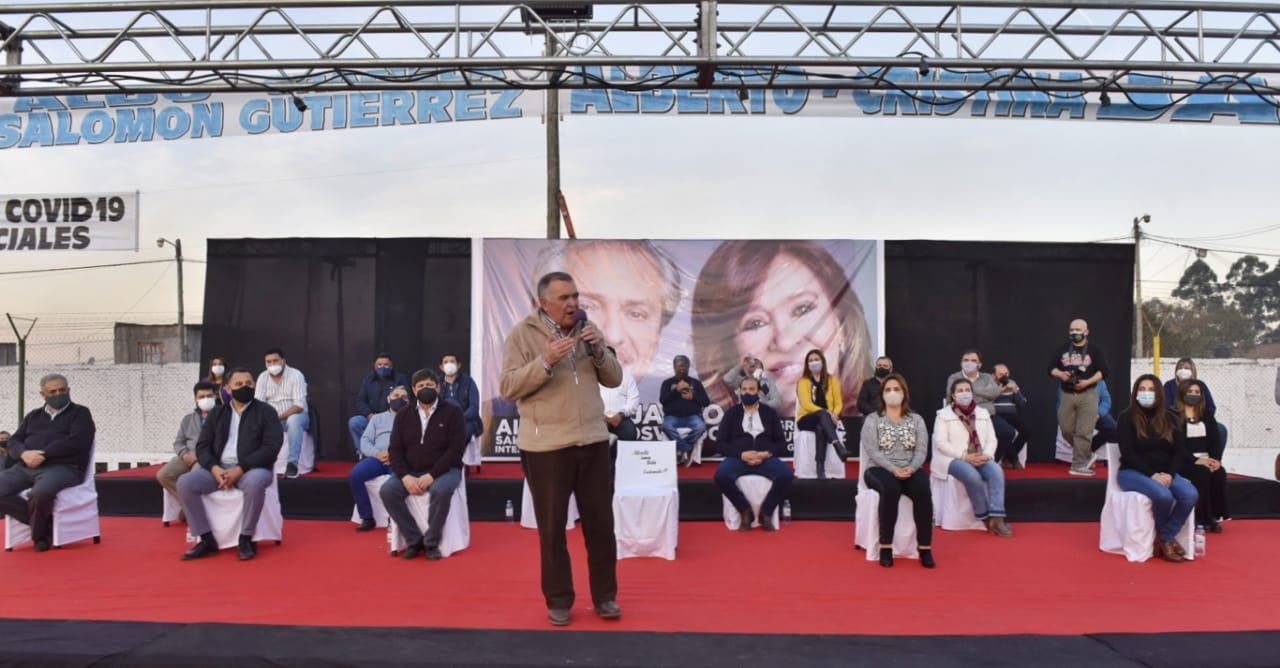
(1183, 374)
(206, 404)
(815, 366)
(218, 369)
(1146, 398)
(450, 368)
(969, 367)
(893, 398)
(275, 369)
(964, 398)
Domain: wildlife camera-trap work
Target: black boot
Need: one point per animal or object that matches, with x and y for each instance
(206, 547)
(247, 549)
(745, 519)
(926, 558)
(886, 557)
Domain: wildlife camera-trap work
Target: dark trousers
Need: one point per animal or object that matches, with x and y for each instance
(1011, 435)
(44, 482)
(395, 498)
(824, 432)
(553, 477)
(891, 490)
(1108, 432)
(729, 470)
(626, 430)
(1212, 486)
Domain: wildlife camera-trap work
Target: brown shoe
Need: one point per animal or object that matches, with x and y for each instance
(1167, 552)
(1177, 547)
(1000, 528)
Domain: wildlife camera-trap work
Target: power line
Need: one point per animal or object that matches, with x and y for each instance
(1231, 235)
(78, 268)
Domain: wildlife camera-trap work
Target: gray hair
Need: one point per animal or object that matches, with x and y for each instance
(555, 258)
(50, 377)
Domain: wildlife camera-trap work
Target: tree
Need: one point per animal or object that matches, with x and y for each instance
(1199, 285)
(1254, 289)
(1194, 331)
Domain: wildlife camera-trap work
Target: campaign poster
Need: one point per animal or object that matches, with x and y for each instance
(69, 222)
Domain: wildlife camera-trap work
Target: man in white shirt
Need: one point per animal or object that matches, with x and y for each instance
(285, 389)
(620, 404)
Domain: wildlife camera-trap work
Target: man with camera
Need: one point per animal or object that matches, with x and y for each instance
(1079, 365)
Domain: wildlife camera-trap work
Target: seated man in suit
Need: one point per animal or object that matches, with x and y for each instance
(238, 446)
(752, 442)
(427, 441)
(375, 460)
(184, 444)
(51, 449)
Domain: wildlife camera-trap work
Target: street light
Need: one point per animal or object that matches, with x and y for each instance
(1137, 281)
(182, 325)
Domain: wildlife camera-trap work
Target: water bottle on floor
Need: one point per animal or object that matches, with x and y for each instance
(510, 512)
(786, 511)
(1200, 541)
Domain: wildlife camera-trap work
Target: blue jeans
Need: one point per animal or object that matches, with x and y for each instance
(365, 470)
(985, 485)
(1170, 505)
(356, 424)
(694, 423)
(732, 468)
(295, 428)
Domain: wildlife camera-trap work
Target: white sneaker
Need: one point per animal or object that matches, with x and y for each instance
(1086, 473)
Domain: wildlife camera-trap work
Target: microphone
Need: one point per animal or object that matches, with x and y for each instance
(579, 321)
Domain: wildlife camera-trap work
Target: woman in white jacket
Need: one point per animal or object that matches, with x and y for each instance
(964, 444)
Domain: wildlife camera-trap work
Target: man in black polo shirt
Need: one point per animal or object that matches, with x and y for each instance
(52, 450)
(1079, 365)
(683, 397)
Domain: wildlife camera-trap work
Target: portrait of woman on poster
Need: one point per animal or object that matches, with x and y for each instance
(773, 300)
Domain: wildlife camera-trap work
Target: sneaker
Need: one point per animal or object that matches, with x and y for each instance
(291, 471)
(1082, 472)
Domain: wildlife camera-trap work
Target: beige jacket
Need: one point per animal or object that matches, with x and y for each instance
(561, 409)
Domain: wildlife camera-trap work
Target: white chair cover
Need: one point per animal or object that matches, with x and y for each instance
(697, 447)
(172, 507)
(530, 521)
(952, 509)
(225, 509)
(471, 456)
(1127, 525)
(866, 526)
(306, 458)
(755, 488)
(646, 501)
(805, 446)
(75, 515)
(380, 517)
(457, 525)
(1063, 451)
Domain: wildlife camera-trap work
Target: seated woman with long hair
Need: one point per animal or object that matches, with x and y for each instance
(818, 404)
(896, 442)
(1151, 451)
(1203, 465)
(964, 444)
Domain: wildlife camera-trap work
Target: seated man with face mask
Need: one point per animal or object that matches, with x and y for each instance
(184, 445)
(752, 443)
(376, 460)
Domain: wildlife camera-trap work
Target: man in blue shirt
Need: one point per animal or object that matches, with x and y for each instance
(372, 398)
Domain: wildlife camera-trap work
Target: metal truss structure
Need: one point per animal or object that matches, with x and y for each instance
(1174, 47)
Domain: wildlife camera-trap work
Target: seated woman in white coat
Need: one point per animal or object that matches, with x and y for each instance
(964, 445)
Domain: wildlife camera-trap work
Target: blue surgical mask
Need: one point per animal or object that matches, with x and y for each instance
(750, 399)
(384, 372)
(1146, 398)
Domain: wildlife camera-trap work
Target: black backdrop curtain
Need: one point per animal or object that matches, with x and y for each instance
(1014, 303)
(332, 305)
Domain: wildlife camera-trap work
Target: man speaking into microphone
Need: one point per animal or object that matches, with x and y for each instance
(552, 366)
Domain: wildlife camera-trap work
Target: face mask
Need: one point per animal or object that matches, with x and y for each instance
(1077, 337)
(398, 404)
(1191, 399)
(58, 401)
(893, 398)
(964, 398)
(275, 369)
(218, 370)
(882, 372)
(815, 366)
(969, 367)
(758, 374)
(750, 399)
(1183, 374)
(384, 372)
(450, 369)
(243, 394)
(1146, 398)
(206, 404)
(427, 395)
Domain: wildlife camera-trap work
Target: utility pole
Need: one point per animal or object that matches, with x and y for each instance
(1137, 283)
(22, 362)
(182, 322)
(553, 146)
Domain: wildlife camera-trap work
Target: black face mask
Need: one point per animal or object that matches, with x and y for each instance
(427, 395)
(882, 372)
(750, 399)
(242, 394)
(58, 401)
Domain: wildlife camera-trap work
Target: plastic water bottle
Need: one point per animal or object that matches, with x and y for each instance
(786, 511)
(1200, 541)
(510, 512)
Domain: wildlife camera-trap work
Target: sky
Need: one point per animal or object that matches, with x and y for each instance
(654, 177)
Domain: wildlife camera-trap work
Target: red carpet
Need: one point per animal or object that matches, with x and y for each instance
(808, 578)
(511, 471)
